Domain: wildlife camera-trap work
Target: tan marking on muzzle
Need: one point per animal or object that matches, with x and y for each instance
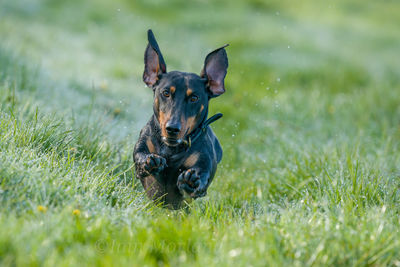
(163, 118)
(150, 145)
(187, 125)
(156, 104)
(184, 128)
(191, 123)
(191, 160)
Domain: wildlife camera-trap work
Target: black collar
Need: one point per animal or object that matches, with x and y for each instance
(192, 137)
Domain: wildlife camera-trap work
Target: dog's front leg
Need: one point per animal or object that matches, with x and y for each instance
(147, 163)
(198, 172)
(193, 182)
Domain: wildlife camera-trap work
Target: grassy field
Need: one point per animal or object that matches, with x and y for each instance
(311, 133)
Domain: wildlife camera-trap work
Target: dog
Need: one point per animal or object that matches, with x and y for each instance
(177, 153)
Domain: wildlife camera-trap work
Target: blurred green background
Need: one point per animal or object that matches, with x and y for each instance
(310, 174)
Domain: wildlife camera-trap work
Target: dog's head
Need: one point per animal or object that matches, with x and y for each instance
(180, 98)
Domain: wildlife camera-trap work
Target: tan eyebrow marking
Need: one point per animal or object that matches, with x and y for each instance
(172, 89)
(191, 160)
(201, 108)
(189, 92)
(150, 145)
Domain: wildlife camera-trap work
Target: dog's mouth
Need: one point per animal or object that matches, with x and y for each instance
(174, 140)
(169, 141)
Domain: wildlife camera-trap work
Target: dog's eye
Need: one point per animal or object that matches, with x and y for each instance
(166, 93)
(194, 98)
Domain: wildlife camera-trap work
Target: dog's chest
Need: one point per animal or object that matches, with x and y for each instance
(175, 156)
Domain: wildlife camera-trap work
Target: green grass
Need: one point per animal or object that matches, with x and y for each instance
(311, 133)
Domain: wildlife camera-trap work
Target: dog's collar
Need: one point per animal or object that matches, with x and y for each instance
(192, 137)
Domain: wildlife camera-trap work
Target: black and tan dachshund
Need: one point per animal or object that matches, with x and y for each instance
(177, 153)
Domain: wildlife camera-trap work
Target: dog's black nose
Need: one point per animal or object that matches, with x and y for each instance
(173, 128)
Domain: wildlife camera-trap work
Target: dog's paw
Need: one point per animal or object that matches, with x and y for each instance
(154, 163)
(190, 184)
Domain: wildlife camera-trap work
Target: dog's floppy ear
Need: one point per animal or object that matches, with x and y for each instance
(214, 70)
(154, 64)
